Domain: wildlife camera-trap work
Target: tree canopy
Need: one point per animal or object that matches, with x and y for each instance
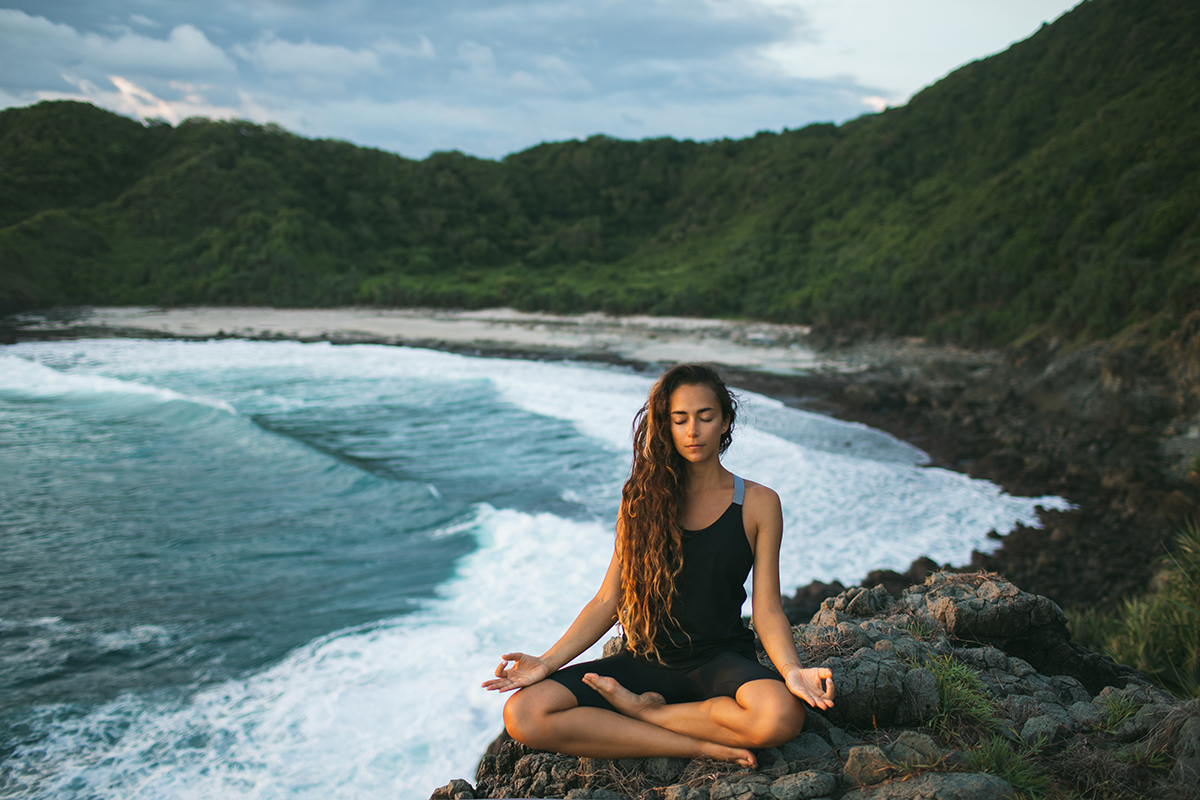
(1055, 185)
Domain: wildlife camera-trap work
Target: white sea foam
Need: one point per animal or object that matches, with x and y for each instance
(20, 377)
(387, 711)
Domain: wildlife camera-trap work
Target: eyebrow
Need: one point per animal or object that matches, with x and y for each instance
(698, 411)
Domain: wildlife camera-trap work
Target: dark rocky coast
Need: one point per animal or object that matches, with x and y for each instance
(1113, 427)
(963, 687)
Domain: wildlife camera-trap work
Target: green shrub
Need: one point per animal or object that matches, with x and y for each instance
(1157, 633)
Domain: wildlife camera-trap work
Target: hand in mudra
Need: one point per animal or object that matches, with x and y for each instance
(814, 686)
(526, 670)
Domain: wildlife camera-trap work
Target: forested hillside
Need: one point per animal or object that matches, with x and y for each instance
(1055, 186)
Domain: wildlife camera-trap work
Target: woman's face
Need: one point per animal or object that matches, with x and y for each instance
(697, 423)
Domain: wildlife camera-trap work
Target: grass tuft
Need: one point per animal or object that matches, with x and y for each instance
(968, 710)
(1017, 764)
(1098, 773)
(1117, 709)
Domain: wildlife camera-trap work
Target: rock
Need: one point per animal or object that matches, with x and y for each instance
(1052, 709)
(866, 765)
(807, 749)
(935, 786)
(1186, 771)
(771, 760)
(1148, 717)
(613, 646)
(815, 722)
(1085, 715)
(804, 786)
(1151, 715)
(456, 789)
(894, 582)
(921, 700)
(807, 600)
(1044, 728)
(664, 770)
(914, 748)
(1020, 708)
(1187, 740)
(1026, 630)
(839, 738)
(742, 786)
(994, 611)
(1069, 689)
(870, 689)
(607, 794)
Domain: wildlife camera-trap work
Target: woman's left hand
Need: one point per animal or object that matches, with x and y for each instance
(814, 685)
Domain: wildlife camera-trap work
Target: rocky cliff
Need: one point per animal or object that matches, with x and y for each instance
(963, 687)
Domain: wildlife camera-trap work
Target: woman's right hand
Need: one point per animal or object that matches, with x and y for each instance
(526, 670)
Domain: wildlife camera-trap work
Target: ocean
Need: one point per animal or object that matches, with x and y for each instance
(274, 569)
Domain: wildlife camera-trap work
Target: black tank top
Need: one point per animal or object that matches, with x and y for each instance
(710, 591)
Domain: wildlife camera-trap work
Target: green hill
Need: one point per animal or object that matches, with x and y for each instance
(1055, 185)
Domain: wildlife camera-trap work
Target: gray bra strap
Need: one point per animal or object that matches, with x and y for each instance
(739, 490)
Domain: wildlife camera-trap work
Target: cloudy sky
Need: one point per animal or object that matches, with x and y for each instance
(490, 77)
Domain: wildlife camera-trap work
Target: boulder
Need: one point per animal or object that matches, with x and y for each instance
(808, 750)
(1044, 729)
(933, 786)
(914, 749)
(866, 765)
(804, 786)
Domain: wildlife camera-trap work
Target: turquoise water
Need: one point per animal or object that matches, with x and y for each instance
(278, 569)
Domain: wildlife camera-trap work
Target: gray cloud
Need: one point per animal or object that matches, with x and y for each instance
(484, 76)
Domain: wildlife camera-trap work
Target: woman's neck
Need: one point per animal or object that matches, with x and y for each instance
(705, 476)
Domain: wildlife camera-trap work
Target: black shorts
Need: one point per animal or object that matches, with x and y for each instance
(720, 676)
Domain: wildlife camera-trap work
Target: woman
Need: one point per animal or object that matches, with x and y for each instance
(687, 682)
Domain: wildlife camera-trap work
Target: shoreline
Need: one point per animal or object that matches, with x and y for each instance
(972, 411)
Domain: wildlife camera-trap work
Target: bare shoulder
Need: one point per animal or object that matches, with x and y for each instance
(761, 499)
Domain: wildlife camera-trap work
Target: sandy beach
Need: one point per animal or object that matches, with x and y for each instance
(760, 347)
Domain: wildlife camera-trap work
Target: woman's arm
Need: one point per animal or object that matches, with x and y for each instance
(765, 525)
(596, 617)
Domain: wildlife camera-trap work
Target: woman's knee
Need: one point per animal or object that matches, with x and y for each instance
(777, 723)
(526, 714)
(520, 717)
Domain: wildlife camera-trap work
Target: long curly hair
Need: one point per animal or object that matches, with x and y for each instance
(649, 538)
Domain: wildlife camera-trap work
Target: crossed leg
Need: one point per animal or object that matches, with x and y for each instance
(763, 713)
(548, 717)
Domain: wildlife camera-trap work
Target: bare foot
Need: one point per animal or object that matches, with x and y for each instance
(623, 700)
(743, 758)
